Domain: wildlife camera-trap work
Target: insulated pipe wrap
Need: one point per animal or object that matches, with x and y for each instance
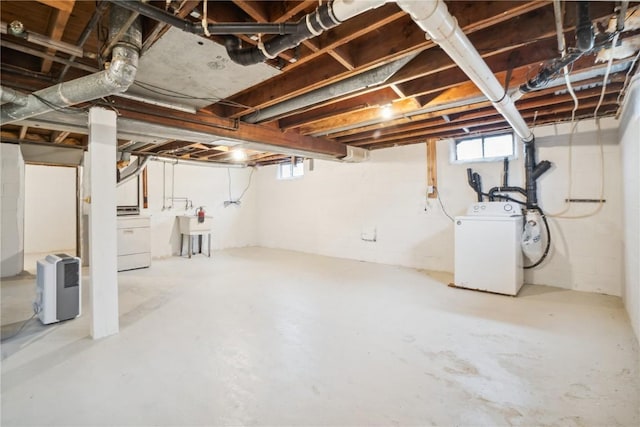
(8, 95)
(116, 78)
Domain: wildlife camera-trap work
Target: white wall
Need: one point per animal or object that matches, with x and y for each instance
(233, 226)
(50, 209)
(327, 210)
(12, 209)
(630, 152)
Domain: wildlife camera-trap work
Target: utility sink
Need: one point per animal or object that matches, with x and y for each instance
(189, 224)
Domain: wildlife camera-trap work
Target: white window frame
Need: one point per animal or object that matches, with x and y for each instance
(453, 152)
(296, 172)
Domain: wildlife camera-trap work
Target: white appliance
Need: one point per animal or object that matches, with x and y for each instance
(58, 294)
(488, 255)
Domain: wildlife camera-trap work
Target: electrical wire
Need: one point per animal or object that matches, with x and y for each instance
(442, 205)
(602, 182)
(569, 174)
(20, 328)
(248, 184)
(168, 92)
(60, 108)
(243, 191)
(547, 247)
(606, 75)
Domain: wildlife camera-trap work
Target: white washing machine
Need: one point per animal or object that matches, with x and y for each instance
(488, 255)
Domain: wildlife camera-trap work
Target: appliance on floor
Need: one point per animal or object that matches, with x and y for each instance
(488, 254)
(58, 294)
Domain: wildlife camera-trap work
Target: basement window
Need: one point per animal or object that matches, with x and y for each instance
(483, 148)
(291, 170)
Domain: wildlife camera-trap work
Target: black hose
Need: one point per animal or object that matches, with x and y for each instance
(546, 249)
(510, 199)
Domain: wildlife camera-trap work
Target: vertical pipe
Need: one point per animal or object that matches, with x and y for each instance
(79, 226)
(505, 173)
(164, 186)
(530, 162)
(145, 191)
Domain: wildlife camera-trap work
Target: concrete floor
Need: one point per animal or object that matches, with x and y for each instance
(267, 337)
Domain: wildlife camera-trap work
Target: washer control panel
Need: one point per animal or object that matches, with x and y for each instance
(494, 209)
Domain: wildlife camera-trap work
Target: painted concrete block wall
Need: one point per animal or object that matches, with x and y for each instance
(587, 238)
(233, 226)
(330, 209)
(12, 209)
(50, 209)
(630, 152)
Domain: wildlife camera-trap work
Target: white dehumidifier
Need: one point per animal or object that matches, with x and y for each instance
(58, 295)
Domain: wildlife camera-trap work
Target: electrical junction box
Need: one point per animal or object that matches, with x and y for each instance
(58, 293)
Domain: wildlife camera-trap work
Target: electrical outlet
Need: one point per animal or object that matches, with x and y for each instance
(431, 189)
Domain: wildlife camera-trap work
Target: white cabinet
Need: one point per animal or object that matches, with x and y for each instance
(134, 242)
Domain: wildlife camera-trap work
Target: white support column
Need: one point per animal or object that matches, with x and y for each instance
(102, 223)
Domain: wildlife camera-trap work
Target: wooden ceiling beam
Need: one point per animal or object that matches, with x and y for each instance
(61, 5)
(57, 24)
(221, 127)
(423, 126)
(365, 115)
(284, 87)
(58, 137)
(171, 146)
(481, 121)
(23, 132)
(313, 114)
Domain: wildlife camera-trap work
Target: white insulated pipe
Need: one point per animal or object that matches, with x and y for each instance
(434, 19)
(347, 9)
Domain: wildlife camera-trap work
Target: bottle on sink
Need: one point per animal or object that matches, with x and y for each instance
(200, 213)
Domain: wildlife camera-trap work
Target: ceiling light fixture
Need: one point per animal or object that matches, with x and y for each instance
(386, 112)
(239, 154)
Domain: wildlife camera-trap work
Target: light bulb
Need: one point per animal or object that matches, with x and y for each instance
(239, 154)
(386, 111)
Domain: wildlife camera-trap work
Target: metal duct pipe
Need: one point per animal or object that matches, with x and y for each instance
(11, 96)
(326, 16)
(116, 78)
(196, 28)
(434, 18)
(362, 81)
(141, 165)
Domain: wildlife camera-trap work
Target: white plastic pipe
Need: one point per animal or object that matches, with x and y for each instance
(434, 18)
(346, 9)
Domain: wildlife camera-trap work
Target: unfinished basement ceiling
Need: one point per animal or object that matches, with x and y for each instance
(183, 69)
(275, 110)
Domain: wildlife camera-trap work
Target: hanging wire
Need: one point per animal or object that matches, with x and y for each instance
(442, 205)
(168, 92)
(606, 75)
(205, 24)
(602, 182)
(61, 108)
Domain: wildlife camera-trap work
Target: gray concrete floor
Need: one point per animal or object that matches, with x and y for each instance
(267, 337)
